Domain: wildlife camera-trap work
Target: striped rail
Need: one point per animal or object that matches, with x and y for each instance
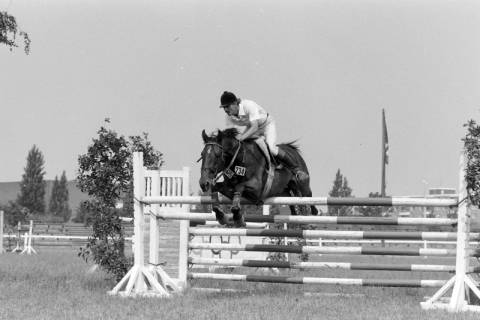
(326, 201)
(328, 234)
(328, 250)
(313, 280)
(322, 265)
(200, 217)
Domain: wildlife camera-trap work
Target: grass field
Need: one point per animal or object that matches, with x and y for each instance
(55, 285)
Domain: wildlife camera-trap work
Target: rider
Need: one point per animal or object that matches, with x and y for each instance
(247, 113)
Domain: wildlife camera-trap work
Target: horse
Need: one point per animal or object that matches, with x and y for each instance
(244, 167)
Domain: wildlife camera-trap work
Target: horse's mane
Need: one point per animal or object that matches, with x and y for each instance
(292, 145)
(230, 133)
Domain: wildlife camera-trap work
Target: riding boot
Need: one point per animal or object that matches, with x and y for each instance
(292, 164)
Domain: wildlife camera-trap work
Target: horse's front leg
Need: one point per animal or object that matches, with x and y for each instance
(238, 219)
(220, 216)
(246, 190)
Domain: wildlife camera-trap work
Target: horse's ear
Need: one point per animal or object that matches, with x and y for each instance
(219, 135)
(204, 136)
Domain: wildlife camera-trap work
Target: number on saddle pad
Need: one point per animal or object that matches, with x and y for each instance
(240, 171)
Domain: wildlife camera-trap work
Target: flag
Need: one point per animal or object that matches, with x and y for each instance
(384, 138)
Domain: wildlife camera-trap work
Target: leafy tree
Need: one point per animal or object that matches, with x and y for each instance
(59, 206)
(32, 186)
(63, 196)
(106, 174)
(9, 31)
(14, 213)
(340, 188)
(472, 170)
(83, 213)
(53, 203)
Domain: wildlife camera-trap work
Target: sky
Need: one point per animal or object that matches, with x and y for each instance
(323, 69)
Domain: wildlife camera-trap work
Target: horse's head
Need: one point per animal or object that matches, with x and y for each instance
(214, 156)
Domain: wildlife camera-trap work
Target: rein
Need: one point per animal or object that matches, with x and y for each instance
(225, 172)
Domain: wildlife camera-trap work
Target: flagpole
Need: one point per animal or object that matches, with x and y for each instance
(383, 186)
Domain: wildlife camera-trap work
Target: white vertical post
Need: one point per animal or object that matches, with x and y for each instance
(461, 281)
(1, 232)
(184, 236)
(135, 281)
(138, 216)
(27, 247)
(154, 258)
(457, 300)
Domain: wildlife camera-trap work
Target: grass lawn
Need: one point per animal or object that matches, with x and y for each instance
(55, 285)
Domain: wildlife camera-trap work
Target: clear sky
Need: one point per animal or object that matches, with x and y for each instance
(323, 69)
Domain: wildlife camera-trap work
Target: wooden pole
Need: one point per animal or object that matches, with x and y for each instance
(384, 154)
(184, 237)
(154, 258)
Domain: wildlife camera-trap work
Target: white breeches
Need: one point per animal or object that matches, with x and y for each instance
(270, 133)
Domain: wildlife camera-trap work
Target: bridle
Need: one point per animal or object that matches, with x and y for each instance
(219, 172)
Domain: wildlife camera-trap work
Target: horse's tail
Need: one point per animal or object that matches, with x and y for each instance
(293, 149)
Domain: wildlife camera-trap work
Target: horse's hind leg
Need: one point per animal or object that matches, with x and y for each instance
(303, 190)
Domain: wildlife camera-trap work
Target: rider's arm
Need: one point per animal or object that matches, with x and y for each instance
(251, 129)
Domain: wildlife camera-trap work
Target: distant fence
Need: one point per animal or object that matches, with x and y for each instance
(46, 234)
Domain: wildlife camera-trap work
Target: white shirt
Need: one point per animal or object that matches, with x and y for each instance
(248, 111)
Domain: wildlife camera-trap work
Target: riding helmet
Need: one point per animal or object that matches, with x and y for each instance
(227, 99)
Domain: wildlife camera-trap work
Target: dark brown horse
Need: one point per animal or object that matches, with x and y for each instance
(244, 169)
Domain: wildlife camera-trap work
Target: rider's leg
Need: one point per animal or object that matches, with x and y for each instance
(290, 162)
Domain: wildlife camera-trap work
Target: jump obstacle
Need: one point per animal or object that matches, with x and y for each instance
(152, 280)
(27, 238)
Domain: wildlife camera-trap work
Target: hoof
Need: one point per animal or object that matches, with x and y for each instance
(239, 221)
(220, 216)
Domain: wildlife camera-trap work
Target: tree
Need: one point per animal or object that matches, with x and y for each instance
(106, 174)
(9, 31)
(472, 161)
(63, 197)
(14, 213)
(32, 186)
(59, 206)
(340, 188)
(53, 203)
(83, 213)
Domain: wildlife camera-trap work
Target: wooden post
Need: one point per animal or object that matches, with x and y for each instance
(458, 299)
(184, 237)
(154, 224)
(27, 248)
(139, 279)
(17, 247)
(461, 281)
